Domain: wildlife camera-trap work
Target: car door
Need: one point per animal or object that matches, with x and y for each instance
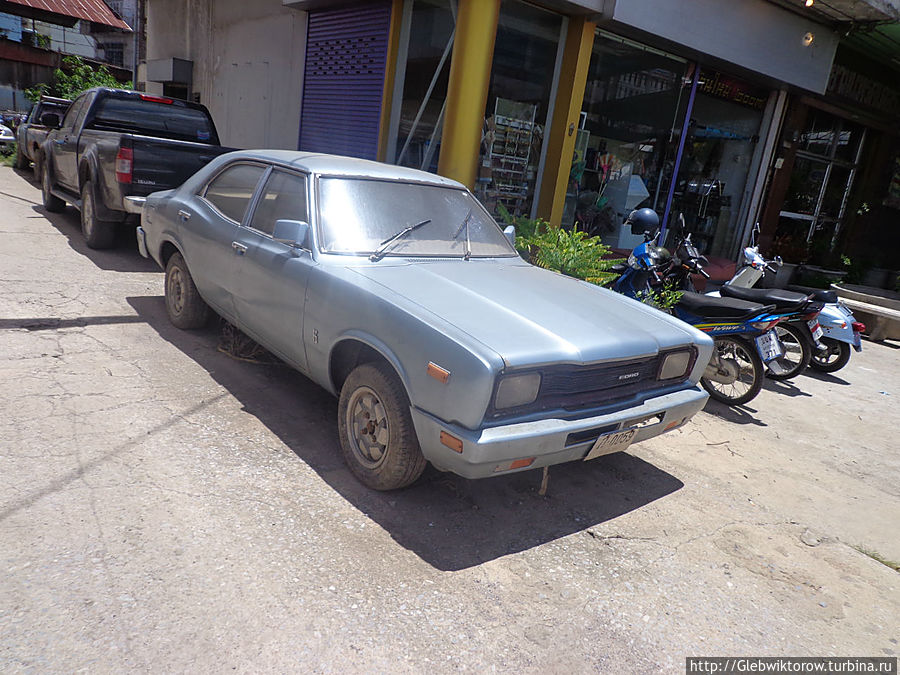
(65, 150)
(270, 291)
(208, 223)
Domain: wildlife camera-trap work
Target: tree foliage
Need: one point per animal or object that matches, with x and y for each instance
(73, 78)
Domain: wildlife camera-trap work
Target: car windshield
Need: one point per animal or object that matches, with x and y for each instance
(358, 216)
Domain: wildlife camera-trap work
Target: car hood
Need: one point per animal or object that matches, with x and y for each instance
(530, 316)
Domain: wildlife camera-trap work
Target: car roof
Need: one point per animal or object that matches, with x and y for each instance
(339, 165)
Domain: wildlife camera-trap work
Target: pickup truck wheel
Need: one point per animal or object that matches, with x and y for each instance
(186, 309)
(21, 159)
(378, 439)
(51, 202)
(97, 233)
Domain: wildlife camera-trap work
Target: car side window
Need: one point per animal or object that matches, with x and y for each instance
(230, 192)
(284, 197)
(74, 109)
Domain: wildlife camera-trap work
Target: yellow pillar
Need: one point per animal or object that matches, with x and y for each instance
(390, 74)
(566, 117)
(470, 72)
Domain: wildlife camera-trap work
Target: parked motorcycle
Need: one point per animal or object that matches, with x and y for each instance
(837, 328)
(798, 328)
(745, 341)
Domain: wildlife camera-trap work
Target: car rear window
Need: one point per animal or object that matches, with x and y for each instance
(164, 120)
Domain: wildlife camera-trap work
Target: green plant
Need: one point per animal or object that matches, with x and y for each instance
(662, 298)
(570, 252)
(875, 555)
(8, 158)
(73, 78)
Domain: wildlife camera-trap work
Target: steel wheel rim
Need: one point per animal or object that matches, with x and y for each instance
(740, 386)
(793, 350)
(175, 290)
(368, 429)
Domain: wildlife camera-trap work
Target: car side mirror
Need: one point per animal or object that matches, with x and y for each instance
(52, 120)
(510, 233)
(294, 233)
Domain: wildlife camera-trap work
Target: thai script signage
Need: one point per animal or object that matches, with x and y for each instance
(714, 83)
(863, 90)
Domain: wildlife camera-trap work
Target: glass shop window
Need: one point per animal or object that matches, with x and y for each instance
(634, 103)
(519, 94)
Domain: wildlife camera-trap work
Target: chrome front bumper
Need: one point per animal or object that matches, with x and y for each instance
(134, 204)
(486, 452)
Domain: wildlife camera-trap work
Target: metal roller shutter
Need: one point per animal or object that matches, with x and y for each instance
(346, 52)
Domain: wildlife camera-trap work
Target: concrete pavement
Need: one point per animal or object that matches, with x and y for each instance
(165, 508)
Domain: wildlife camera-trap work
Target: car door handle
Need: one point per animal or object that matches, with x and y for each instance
(239, 248)
(184, 215)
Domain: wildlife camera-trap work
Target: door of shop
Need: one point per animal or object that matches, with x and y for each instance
(820, 185)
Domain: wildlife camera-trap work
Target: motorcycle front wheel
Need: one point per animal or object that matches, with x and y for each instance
(797, 350)
(835, 358)
(735, 371)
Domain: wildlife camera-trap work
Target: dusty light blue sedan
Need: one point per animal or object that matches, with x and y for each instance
(395, 290)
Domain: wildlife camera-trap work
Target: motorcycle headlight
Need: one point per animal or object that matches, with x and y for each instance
(633, 261)
(676, 365)
(517, 390)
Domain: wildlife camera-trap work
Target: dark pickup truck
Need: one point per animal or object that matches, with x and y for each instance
(114, 147)
(32, 133)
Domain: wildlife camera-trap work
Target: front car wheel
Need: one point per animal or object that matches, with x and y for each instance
(377, 436)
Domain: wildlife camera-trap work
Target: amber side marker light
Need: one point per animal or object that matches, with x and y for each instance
(672, 425)
(451, 442)
(440, 374)
(515, 464)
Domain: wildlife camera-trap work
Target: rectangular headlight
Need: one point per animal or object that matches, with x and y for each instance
(516, 390)
(676, 365)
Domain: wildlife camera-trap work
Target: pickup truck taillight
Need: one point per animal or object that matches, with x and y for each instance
(124, 163)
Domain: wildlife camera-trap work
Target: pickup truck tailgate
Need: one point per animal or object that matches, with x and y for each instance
(163, 163)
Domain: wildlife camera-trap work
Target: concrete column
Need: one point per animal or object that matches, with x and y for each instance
(470, 72)
(566, 116)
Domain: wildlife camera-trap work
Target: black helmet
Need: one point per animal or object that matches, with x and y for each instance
(642, 220)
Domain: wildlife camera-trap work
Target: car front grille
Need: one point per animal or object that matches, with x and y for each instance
(573, 388)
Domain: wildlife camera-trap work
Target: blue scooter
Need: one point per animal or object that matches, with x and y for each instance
(742, 331)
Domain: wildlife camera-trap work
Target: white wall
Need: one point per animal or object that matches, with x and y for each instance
(248, 64)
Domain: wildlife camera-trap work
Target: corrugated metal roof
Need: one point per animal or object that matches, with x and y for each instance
(96, 11)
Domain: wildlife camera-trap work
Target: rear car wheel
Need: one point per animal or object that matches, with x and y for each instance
(378, 439)
(97, 233)
(186, 309)
(51, 202)
(21, 159)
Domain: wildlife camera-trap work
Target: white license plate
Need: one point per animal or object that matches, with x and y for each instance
(615, 441)
(815, 329)
(769, 346)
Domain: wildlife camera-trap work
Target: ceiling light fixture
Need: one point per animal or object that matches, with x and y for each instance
(809, 3)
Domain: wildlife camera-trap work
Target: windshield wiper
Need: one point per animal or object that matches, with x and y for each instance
(465, 224)
(383, 246)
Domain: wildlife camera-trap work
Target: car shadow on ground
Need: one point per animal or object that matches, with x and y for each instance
(122, 257)
(449, 522)
(742, 414)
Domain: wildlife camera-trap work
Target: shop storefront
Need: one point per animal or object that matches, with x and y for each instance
(559, 110)
(834, 193)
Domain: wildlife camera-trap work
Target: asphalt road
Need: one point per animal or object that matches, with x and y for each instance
(167, 508)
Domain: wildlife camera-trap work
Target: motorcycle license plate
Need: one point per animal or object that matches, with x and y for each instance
(857, 343)
(815, 329)
(615, 441)
(769, 346)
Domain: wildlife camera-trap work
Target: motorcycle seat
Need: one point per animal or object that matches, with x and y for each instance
(825, 296)
(784, 301)
(729, 309)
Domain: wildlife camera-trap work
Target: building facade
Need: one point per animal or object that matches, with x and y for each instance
(574, 111)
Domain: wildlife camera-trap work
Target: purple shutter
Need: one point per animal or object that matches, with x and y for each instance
(346, 51)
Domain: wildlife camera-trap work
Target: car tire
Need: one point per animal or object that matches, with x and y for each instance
(38, 167)
(97, 233)
(51, 202)
(186, 309)
(378, 439)
(21, 159)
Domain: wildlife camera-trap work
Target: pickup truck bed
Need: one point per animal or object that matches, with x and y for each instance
(115, 147)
